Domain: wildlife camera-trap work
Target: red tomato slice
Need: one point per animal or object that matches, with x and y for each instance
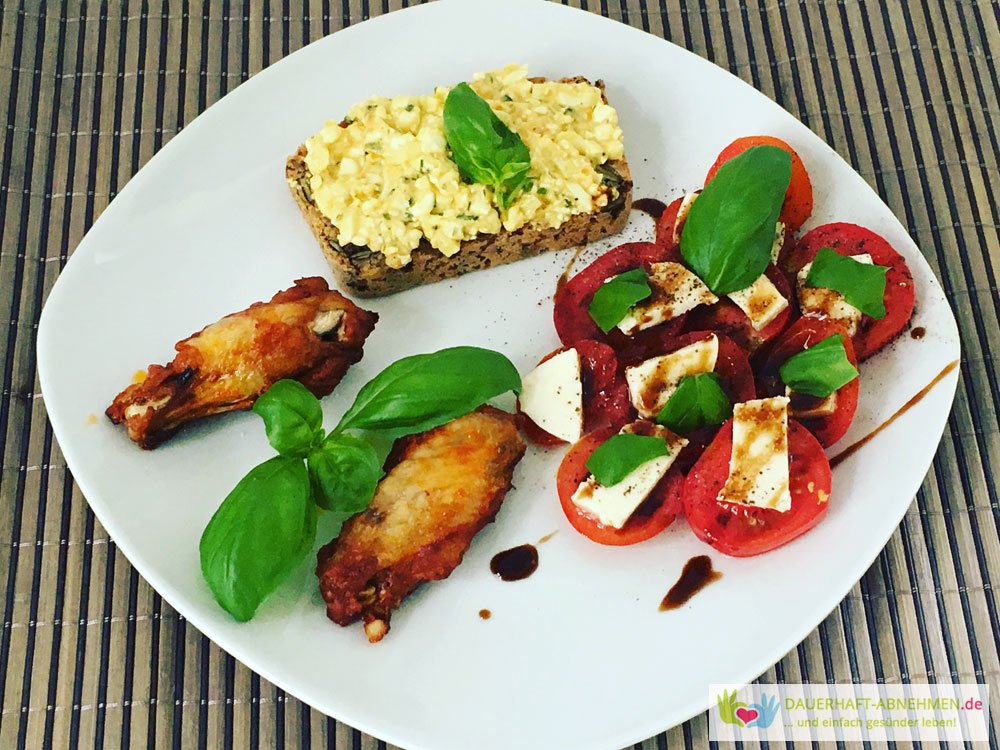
(798, 203)
(605, 393)
(571, 315)
(665, 226)
(654, 515)
(850, 239)
(742, 531)
(726, 317)
(802, 334)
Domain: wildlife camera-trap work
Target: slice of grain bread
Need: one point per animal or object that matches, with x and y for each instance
(365, 273)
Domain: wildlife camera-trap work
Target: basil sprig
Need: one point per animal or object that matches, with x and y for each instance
(620, 455)
(267, 524)
(485, 150)
(697, 402)
(819, 370)
(729, 232)
(862, 284)
(615, 297)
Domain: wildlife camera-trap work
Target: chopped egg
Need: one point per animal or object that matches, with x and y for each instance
(651, 383)
(761, 301)
(613, 506)
(675, 291)
(384, 178)
(758, 466)
(815, 300)
(552, 395)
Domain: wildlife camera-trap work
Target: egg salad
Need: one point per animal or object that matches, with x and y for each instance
(384, 177)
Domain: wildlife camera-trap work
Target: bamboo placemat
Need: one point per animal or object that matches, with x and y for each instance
(90, 656)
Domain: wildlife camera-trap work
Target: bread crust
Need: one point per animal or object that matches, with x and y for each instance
(365, 273)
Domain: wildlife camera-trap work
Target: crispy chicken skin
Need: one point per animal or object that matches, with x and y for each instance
(307, 332)
(442, 487)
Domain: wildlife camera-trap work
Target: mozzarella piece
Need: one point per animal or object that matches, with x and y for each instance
(613, 506)
(761, 301)
(552, 395)
(758, 466)
(682, 213)
(653, 382)
(816, 300)
(675, 291)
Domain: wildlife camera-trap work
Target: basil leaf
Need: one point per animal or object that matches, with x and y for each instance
(293, 418)
(620, 455)
(697, 402)
(426, 390)
(485, 150)
(615, 297)
(819, 370)
(729, 232)
(259, 534)
(344, 472)
(862, 284)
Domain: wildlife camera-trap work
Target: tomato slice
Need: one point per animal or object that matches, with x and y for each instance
(605, 393)
(655, 514)
(726, 317)
(571, 315)
(802, 334)
(742, 531)
(798, 204)
(850, 239)
(665, 226)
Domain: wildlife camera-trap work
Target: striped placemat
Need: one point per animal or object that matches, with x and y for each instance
(90, 656)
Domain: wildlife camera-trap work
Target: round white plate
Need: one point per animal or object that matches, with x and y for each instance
(208, 227)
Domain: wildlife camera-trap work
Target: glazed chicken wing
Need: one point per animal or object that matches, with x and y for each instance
(308, 333)
(444, 485)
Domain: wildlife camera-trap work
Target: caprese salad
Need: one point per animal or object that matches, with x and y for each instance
(705, 372)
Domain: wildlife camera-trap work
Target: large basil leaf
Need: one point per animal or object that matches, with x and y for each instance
(259, 534)
(426, 390)
(729, 232)
(485, 150)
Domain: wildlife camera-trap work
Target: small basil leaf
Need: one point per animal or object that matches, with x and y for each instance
(417, 393)
(819, 370)
(697, 402)
(728, 235)
(485, 150)
(293, 418)
(344, 471)
(259, 534)
(620, 455)
(615, 297)
(862, 284)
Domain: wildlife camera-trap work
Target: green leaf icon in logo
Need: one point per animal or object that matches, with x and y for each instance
(727, 707)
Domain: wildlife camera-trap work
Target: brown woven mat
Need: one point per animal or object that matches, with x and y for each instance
(90, 656)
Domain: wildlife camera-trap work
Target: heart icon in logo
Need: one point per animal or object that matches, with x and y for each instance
(746, 715)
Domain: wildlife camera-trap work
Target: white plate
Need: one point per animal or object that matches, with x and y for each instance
(208, 227)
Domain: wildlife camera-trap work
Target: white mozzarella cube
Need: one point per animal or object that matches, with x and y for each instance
(675, 291)
(758, 466)
(651, 383)
(815, 300)
(761, 301)
(552, 395)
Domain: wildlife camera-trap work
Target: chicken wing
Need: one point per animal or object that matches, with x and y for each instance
(307, 332)
(442, 487)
